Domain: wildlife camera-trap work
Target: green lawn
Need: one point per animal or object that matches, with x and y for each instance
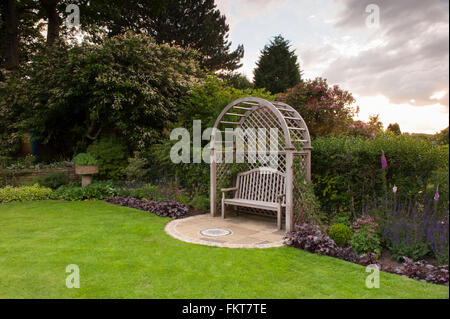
(125, 253)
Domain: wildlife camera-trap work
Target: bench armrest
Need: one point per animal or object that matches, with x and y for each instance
(224, 190)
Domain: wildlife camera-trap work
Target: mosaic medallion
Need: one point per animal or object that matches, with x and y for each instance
(215, 232)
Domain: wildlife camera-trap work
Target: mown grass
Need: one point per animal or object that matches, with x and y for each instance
(125, 253)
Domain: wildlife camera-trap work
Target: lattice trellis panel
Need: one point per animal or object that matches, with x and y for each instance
(301, 162)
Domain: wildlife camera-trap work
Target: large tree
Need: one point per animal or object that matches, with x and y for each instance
(277, 69)
(196, 24)
(20, 31)
(200, 25)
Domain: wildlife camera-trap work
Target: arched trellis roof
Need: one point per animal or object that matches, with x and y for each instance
(293, 126)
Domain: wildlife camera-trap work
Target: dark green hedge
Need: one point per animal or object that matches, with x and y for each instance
(347, 170)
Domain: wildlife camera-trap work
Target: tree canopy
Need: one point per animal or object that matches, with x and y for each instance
(196, 24)
(394, 128)
(277, 69)
(127, 85)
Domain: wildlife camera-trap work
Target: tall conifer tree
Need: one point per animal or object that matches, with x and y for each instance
(277, 69)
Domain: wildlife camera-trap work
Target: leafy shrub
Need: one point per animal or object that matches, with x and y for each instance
(98, 190)
(200, 202)
(147, 192)
(111, 155)
(423, 271)
(170, 208)
(416, 250)
(365, 239)
(24, 193)
(54, 180)
(342, 217)
(306, 205)
(309, 237)
(28, 161)
(85, 159)
(136, 171)
(341, 234)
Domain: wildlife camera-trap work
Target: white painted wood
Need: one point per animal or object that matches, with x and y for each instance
(289, 192)
(213, 179)
(259, 188)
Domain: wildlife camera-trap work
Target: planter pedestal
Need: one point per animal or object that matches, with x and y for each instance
(86, 180)
(86, 173)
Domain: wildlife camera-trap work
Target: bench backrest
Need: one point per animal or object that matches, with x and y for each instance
(261, 184)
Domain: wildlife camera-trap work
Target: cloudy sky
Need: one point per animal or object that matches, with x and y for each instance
(397, 68)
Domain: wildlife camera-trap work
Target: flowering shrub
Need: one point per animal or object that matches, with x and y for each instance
(365, 238)
(326, 109)
(360, 128)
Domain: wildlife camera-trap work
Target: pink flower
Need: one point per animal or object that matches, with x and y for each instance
(368, 236)
(332, 106)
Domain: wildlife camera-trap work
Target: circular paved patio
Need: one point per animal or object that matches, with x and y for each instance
(244, 231)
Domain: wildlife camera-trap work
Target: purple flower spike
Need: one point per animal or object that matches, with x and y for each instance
(383, 161)
(436, 196)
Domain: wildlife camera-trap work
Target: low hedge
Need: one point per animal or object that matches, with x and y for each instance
(24, 193)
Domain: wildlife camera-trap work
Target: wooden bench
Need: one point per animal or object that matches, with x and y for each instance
(261, 188)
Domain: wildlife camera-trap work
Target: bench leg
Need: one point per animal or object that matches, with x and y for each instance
(279, 211)
(223, 208)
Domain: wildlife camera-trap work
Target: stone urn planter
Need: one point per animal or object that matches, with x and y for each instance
(86, 166)
(86, 172)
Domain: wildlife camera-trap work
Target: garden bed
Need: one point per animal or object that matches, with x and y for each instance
(310, 238)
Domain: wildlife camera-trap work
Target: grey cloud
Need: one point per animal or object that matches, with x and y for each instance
(420, 67)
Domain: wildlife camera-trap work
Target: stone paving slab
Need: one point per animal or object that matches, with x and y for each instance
(247, 231)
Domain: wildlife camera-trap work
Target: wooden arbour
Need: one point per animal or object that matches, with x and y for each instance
(244, 117)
